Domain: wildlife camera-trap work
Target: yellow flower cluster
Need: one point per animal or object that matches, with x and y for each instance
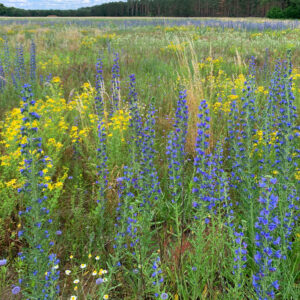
(262, 139)
(53, 61)
(118, 122)
(53, 143)
(224, 88)
(173, 48)
(177, 28)
(255, 35)
(9, 135)
(262, 90)
(107, 37)
(222, 107)
(77, 135)
(210, 64)
(88, 42)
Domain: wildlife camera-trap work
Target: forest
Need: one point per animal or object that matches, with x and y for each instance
(173, 8)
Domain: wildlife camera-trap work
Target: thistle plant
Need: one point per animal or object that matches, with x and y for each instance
(202, 208)
(242, 143)
(102, 171)
(158, 279)
(135, 118)
(201, 181)
(237, 245)
(39, 265)
(32, 61)
(139, 192)
(20, 64)
(6, 57)
(267, 241)
(115, 84)
(148, 177)
(176, 160)
(2, 77)
(100, 89)
(286, 151)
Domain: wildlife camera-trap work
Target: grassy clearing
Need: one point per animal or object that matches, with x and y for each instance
(149, 195)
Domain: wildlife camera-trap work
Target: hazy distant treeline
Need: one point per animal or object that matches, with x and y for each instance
(176, 8)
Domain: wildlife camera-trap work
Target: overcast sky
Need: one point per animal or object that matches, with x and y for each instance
(53, 4)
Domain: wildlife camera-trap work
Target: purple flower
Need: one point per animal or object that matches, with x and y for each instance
(3, 262)
(120, 179)
(99, 280)
(16, 290)
(275, 284)
(164, 296)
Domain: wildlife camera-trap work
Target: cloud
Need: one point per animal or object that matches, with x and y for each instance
(53, 4)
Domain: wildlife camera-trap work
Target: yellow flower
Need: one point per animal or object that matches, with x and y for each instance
(11, 183)
(86, 85)
(233, 97)
(71, 256)
(59, 185)
(75, 288)
(56, 79)
(90, 255)
(101, 272)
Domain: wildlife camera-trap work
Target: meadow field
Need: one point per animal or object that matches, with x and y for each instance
(149, 158)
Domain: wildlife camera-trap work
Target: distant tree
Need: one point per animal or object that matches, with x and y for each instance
(176, 8)
(3, 10)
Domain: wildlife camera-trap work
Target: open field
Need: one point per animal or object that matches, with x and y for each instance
(149, 158)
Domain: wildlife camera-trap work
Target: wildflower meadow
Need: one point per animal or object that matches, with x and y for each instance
(149, 158)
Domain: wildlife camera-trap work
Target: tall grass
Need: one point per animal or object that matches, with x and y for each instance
(154, 161)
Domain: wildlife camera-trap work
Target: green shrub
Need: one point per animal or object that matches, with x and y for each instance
(275, 13)
(292, 12)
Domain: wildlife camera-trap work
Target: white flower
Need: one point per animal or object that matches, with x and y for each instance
(68, 272)
(76, 281)
(97, 257)
(94, 273)
(73, 298)
(83, 266)
(105, 296)
(101, 272)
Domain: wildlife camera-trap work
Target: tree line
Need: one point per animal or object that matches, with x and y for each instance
(172, 8)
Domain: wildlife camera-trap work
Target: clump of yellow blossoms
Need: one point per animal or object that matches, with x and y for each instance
(173, 48)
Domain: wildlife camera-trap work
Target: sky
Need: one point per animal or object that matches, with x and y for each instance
(53, 4)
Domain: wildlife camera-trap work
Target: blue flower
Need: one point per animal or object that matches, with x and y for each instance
(16, 290)
(3, 262)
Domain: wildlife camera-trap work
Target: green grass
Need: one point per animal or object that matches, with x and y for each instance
(209, 64)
